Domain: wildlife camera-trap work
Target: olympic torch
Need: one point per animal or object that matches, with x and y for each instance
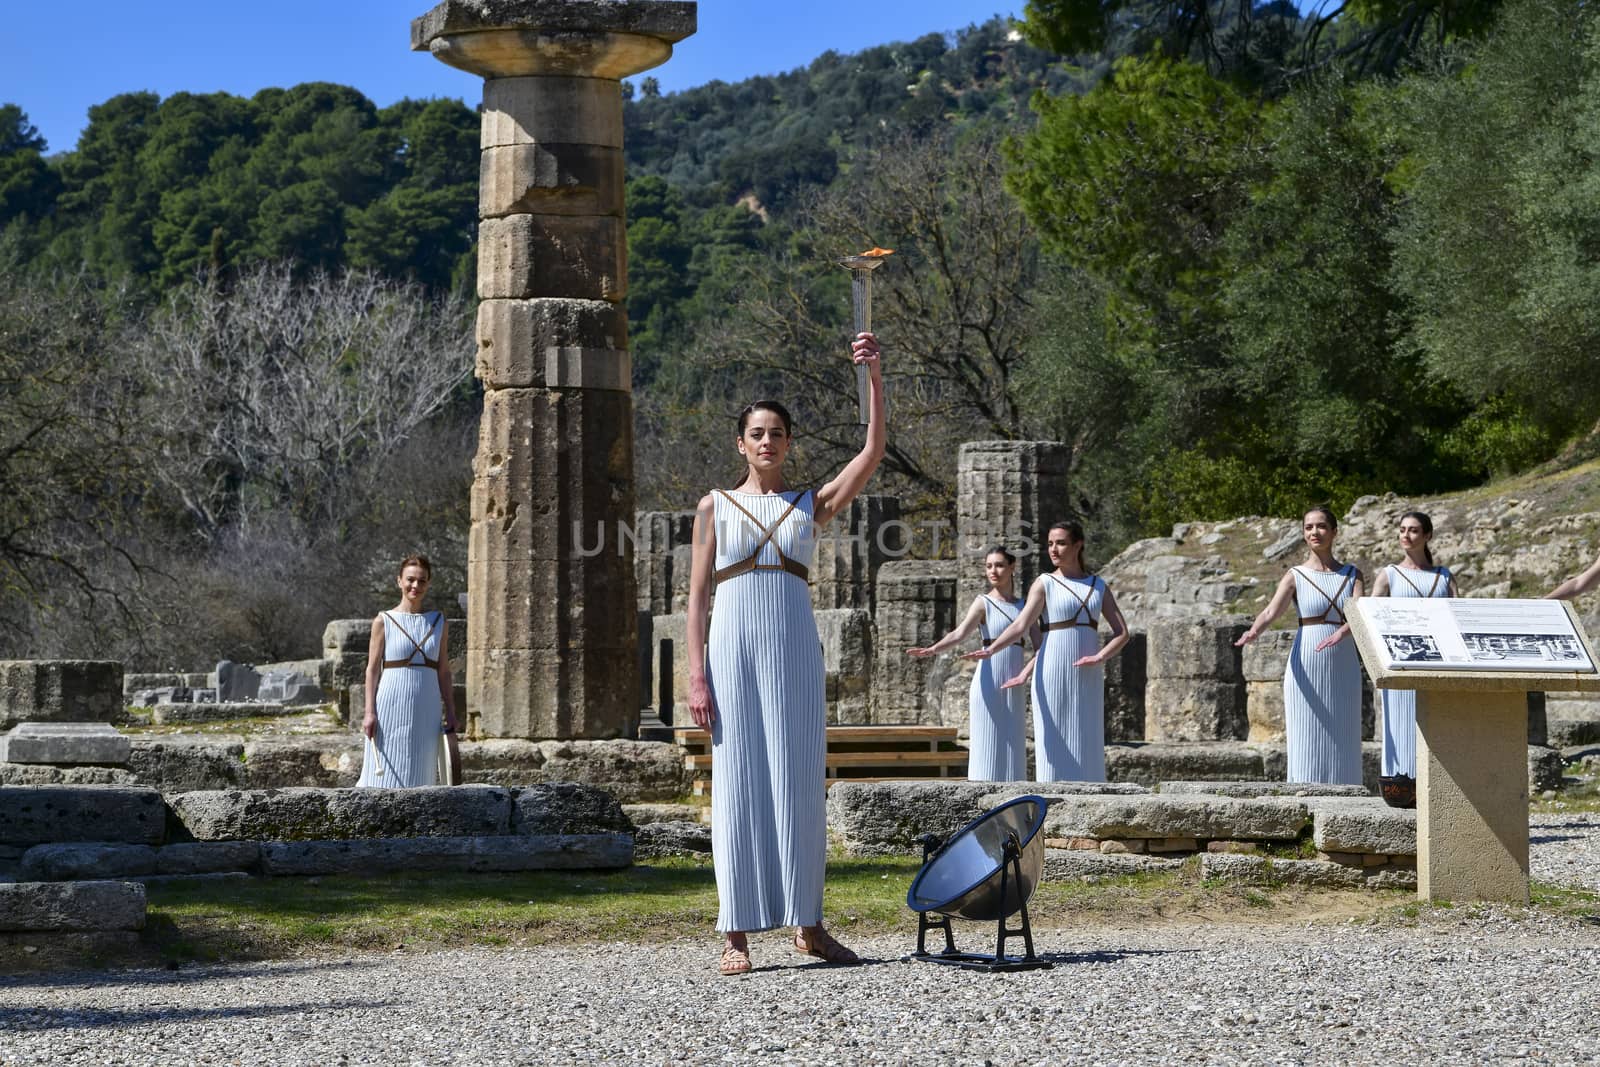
(861, 268)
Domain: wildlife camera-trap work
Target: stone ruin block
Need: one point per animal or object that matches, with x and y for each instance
(669, 668)
(656, 563)
(346, 637)
(846, 636)
(290, 688)
(62, 690)
(1125, 690)
(1008, 491)
(65, 743)
(133, 683)
(862, 539)
(71, 907)
(236, 682)
(1195, 689)
(916, 605)
(1264, 661)
(37, 815)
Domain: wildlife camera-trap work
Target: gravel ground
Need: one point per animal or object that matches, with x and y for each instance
(1566, 848)
(1464, 985)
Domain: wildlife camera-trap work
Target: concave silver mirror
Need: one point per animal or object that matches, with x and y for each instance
(986, 871)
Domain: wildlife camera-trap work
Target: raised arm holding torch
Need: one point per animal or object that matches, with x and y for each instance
(861, 268)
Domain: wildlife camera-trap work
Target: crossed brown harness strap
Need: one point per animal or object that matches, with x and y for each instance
(1333, 602)
(1082, 617)
(410, 661)
(748, 564)
(1431, 589)
(1001, 608)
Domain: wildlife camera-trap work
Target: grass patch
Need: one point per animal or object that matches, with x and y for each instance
(1565, 900)
(207, 921)
(1583, 797)
(140, 723)
(202, 922)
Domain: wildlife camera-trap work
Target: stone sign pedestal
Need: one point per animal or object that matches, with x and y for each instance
(1472, 771)
(1472, 795)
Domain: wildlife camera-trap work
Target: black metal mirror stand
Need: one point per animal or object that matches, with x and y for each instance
(1011, 868)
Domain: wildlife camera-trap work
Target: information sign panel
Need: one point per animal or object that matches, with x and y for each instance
(1470, 634)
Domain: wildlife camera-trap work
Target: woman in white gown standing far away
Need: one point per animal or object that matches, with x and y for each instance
(1322, 682)
(1415, 576)
(409, 691)
(1069, 678)
(997, 731)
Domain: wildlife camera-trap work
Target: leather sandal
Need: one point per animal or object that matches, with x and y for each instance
(734, 961)
(822, 946)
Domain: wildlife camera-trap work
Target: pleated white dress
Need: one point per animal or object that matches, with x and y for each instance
(1069, 717)
(1322, 690)
(997, 743)
(410, 709)
(768, 817)
(1400, 705)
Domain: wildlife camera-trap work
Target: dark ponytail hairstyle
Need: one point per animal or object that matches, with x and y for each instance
(763, 405)
(1075, 531)
(766, 405)
(1427, 528)
(1003, 550)
(1333, 520)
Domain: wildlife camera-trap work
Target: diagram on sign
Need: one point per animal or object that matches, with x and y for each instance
(1468, 634)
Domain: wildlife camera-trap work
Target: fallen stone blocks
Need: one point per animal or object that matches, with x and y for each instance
(1260, 870)
(537, 852)
(71, 907)
(1185, 818)
(167, 714)
(1126, 829)
(869, 818)
(69, 743)
(61, 690)
(34, 815)
(64, 833)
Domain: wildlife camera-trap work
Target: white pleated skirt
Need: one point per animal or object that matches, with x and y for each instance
(768, 744)
(1399, 732)
(1069, 709)
(410, 715)
(1322, 709)
(997, 730)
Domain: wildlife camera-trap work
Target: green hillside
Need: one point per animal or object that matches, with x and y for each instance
(1238, 263)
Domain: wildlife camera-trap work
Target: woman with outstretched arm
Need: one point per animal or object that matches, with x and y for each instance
(997, 741)
(1578, 585)
(1069, 681)
(1322, 682)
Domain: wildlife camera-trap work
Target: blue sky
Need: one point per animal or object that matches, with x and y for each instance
(58, 61)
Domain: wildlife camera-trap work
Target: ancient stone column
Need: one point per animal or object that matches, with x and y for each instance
(552, 632)
(915, 607)
(1008, 491)
(1195, 689)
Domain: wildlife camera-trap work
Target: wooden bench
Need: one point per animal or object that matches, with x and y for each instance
(855, 754)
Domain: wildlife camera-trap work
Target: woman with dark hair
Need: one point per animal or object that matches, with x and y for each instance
(997, 735)
(409, 690)
(1069, 684)
(761, 694)
(1322, 685)
(1416, 575)
(1578, 585)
